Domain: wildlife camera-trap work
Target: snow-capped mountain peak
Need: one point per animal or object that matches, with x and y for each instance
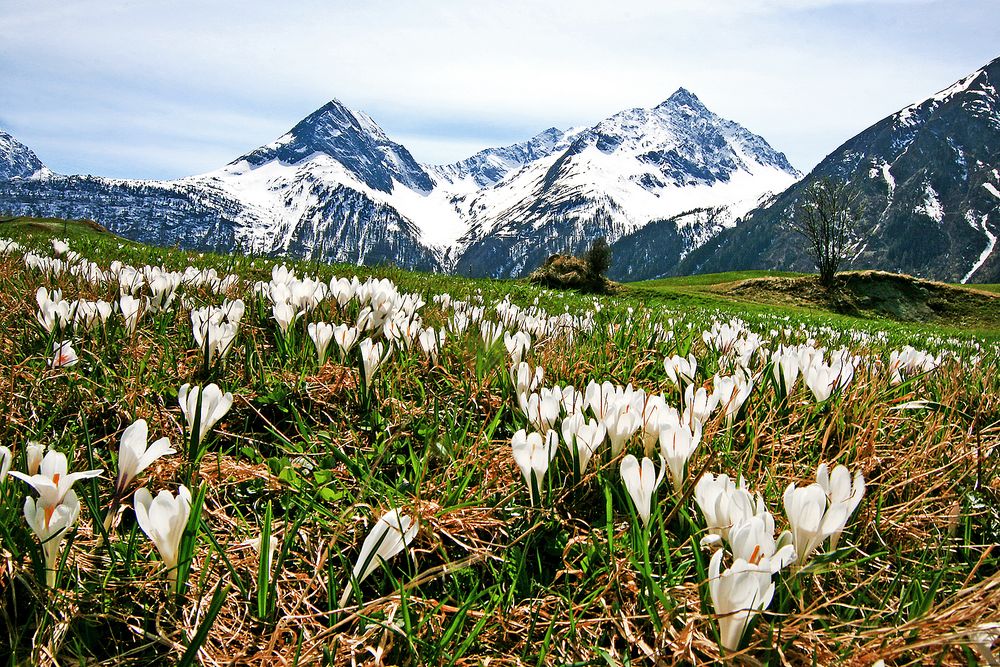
(634, 167)
(929, 178)
(491, 165)
(16, 159)
(352, 139)
(682, 97)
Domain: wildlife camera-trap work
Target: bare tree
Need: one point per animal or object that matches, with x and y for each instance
(826, 217)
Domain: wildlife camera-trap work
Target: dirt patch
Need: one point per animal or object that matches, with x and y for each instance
(877, 293)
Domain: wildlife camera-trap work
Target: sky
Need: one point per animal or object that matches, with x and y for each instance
(148, 89)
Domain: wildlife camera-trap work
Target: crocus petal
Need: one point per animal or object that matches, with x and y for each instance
(5, 461)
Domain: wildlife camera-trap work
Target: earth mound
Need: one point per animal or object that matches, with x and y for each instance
(876, 293)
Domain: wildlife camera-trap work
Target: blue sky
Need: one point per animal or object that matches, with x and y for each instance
(168, 89)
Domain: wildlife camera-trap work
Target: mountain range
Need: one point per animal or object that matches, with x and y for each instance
(674, 189)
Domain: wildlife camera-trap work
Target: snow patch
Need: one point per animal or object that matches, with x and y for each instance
(991, 241)
(931, 206)
(433, 213)
(883, 170)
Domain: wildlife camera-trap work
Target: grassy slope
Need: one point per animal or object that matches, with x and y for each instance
(714, 290)
(524, 585)
(869, 296)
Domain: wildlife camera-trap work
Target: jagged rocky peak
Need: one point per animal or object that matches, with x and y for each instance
(490, 165)
(351, 138)
(682, 97)
(685, 142)
(16, 159)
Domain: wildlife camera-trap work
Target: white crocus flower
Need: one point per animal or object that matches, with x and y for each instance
(540, 409)
(50, 523)
(621, 423)
(677, 443)
(5, 460)
(680, 369)
(738, 594)
(654, 412)
(60, 247)
(753, 539)
(284, 314)
(214, 406)
(724, 504)
(840, 491)
(129, 307)
(388, 537)
(52, 310)
(133, 454)
(641, 482)
(571, 400)
(63, 355)
(698, 405)
(585, 435)
(213, 336)
(163, 519)
(163, 289)
(345, 337)
(321, 334)
(533, 452)
(820, 379)
(104, 310)
(569, 426)
(272, 545)
(490, 332)
(811, 520)
(430, 341)
(53, 480)
(34, 453)
(604, 398)
(525, 380)
(731, 392)
(516, 344)
(372, 356)
(785, 366)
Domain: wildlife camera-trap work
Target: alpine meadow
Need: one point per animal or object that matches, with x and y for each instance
(449, 389)
(356, 465)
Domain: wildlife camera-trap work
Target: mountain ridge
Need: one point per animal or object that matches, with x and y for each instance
(336, 187)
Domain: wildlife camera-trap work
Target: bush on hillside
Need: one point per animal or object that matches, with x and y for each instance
(584, 273)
